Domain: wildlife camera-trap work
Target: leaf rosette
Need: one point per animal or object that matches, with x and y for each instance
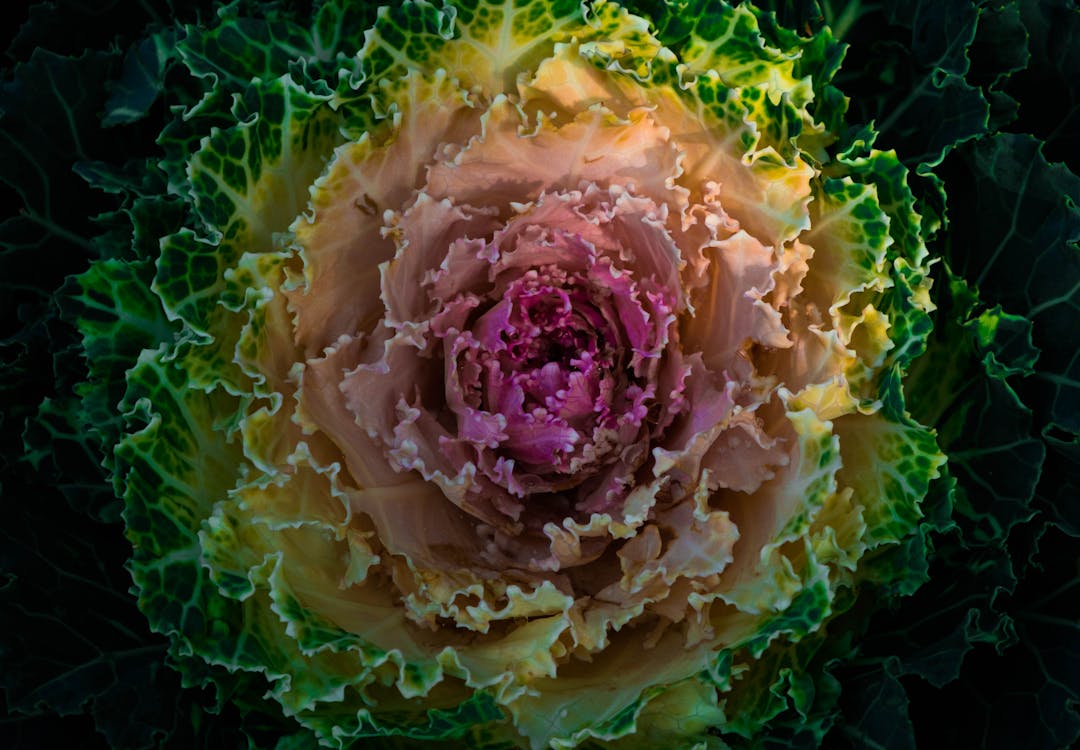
(536, 377)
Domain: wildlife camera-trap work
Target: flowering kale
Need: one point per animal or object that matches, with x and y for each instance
(547, 374)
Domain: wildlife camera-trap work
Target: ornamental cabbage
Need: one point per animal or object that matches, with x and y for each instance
(539, 376)
(528, 374)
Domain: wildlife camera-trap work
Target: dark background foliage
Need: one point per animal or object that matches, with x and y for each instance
(980, 99)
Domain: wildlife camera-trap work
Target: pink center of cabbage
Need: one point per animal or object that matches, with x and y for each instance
(544, 381)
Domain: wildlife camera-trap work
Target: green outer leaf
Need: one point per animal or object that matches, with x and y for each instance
(1053, 29)
(118, 316)
(1028, 229)
(190, 278)
(940, 31)
(476, 41)
(959, 386)
(1002, 37)
(248, 182)
(242, 47)
(172, 466)
(918, 94)
(43, 106)
(142, 79)
(746, 46)
(907, 458)
(171, 469)
(883, 719)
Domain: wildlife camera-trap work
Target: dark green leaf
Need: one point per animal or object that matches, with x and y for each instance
(142, 78)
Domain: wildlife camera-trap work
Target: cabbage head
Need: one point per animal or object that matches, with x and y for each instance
(546, 374)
